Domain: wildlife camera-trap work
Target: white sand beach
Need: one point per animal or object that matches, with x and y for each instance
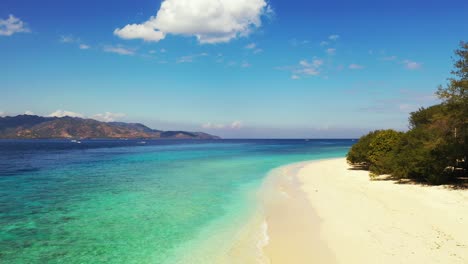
(323, 212)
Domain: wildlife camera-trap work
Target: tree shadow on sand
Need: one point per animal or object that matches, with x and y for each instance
(459, 182)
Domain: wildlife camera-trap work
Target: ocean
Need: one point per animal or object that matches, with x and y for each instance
(128, 201)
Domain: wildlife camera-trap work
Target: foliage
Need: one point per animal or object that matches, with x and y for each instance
(358, 153)
(372, 150)
(455, 99)
(435, 142)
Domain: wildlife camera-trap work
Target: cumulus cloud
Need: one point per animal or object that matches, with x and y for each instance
(62, 113)
(29, 112)
(12, 25)
(412, 65)
(210, 21)
(143, 31)
(108, 116)
(355, 66)
(295, 77)
(119, 50)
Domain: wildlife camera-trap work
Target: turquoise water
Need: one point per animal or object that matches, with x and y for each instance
(118, 202)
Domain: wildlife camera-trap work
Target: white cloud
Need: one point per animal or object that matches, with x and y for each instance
(309, 68)
(324, 43)
(140, 31)
(152, 52)
(304, 68)
(257, 51)
(62, 113)
(119, 50)
(210, 21)
(84, 46)
(309, 71)
(355, 66)
(251, 46)
(108, 116)
(333, 37)
(412, 65)
(191, 58)
(315, 63)
(29, 112)
(234, 125)
(163, 50)
(68, 39)
(213, 126)
(12, 25)
(331, 51)
(105, 117)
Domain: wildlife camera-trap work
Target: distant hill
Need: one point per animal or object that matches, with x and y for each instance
(32, 126)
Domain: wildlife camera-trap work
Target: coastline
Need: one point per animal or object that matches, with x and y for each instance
(293, 225)
(323, 212)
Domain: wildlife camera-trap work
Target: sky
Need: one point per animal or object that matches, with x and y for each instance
(234, 68)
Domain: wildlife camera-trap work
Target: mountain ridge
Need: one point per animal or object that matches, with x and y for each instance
(39, 127)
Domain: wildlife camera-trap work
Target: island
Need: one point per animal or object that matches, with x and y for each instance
(39, 127)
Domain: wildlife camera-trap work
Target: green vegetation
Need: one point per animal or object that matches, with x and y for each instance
(434, 149)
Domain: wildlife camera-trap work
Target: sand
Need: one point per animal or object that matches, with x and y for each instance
(323, 212)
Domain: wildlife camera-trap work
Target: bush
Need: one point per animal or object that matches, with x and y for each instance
(372, 150)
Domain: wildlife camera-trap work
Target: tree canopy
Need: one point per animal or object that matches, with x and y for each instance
(434, 149)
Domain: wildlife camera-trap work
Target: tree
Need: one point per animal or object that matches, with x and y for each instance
(380, 150)
(436, 142)
(455, 99)
(371, 150)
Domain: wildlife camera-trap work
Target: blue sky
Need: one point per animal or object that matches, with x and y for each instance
(244, 68)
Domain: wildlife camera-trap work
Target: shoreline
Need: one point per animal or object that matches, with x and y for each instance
(322, 212)
(292, 223)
